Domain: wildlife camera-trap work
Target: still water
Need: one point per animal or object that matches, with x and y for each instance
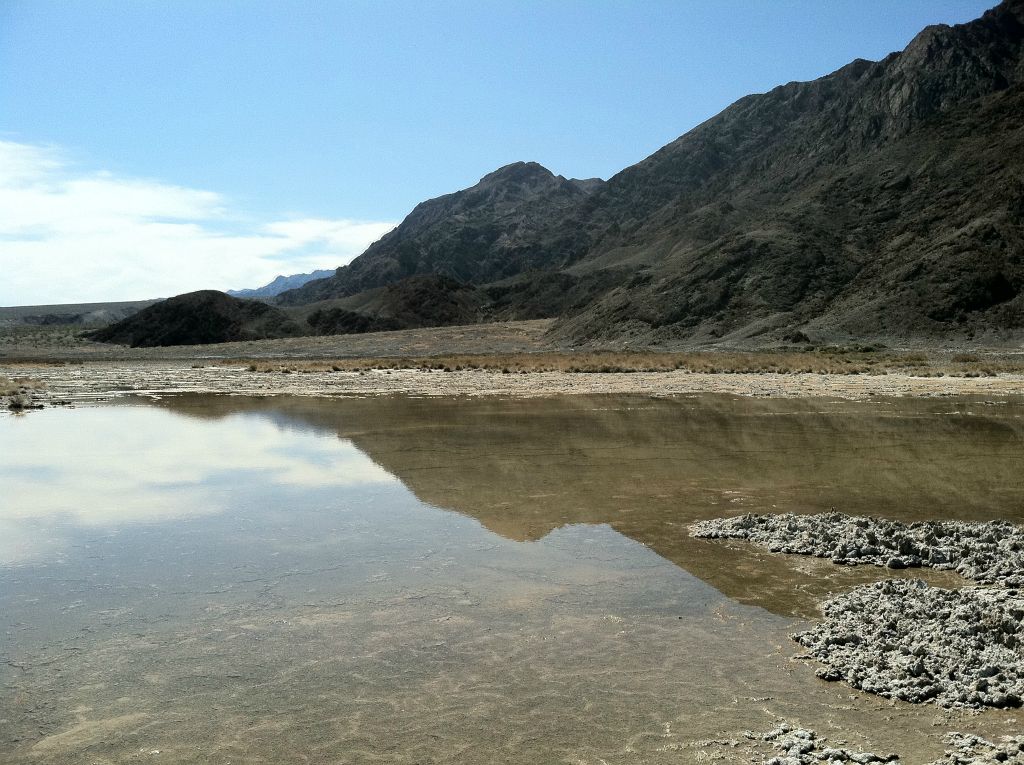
(221, 579)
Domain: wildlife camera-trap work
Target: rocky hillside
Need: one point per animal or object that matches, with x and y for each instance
(513, 220)
(883, 200)
(418, 301)
(198, 318)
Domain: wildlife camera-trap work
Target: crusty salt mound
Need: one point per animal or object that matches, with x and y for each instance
(902, 639)
(990, 553)
(799, 746)
(966, 749)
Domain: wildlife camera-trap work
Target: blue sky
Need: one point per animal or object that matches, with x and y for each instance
(287, 135)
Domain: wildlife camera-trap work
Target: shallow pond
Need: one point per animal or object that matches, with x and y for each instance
(290, 580)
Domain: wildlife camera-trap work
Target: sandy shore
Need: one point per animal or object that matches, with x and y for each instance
(77, 383)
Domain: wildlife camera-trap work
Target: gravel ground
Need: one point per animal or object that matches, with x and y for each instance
(62, 343)
(92, 380)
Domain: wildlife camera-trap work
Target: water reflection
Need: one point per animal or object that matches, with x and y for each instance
(649, 467)
(114, 466)
(283, 580)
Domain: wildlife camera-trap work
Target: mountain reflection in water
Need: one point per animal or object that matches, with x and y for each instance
(291, 580)
(649, 467)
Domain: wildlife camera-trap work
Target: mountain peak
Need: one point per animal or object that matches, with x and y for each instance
(519, 172)
(281, 283)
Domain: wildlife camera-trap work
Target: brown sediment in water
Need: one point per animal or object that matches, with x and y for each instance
(528, 626)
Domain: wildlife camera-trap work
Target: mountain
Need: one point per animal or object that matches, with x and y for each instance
(281, 284)
(512, 221)
(885, 200)
(882, 200)
(198, 318)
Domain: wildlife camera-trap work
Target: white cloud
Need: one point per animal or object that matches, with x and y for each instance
(71, 236)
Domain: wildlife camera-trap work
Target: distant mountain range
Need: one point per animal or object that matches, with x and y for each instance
(885, 200)
(280, 284)
(70, 314)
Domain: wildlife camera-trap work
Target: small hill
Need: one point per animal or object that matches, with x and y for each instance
(281, 284)
(198, 318)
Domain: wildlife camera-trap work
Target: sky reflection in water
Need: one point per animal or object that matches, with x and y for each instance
(228, 579)
(112, 466)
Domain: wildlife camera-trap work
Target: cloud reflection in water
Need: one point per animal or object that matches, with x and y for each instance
(110, 466)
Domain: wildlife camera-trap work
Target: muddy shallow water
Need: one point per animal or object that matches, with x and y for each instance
(225, 579)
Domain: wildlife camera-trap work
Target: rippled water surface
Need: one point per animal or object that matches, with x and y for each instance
(221, 579)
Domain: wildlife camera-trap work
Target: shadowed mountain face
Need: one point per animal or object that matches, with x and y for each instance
(418, 301)
(650, 467)
(511, 221)
(882, 201)
(197, 318)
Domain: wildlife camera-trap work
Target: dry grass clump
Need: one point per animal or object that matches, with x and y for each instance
(17, 393)
(9, 387)
(585, 363)
(853, 360)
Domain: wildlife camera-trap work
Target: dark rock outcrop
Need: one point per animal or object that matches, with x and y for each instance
(198, 318)
(418, 301)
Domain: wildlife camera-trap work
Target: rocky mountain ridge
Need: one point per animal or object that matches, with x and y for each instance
(882, 200)
(495, 229)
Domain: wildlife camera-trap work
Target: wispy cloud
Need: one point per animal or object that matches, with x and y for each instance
(68, 235)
